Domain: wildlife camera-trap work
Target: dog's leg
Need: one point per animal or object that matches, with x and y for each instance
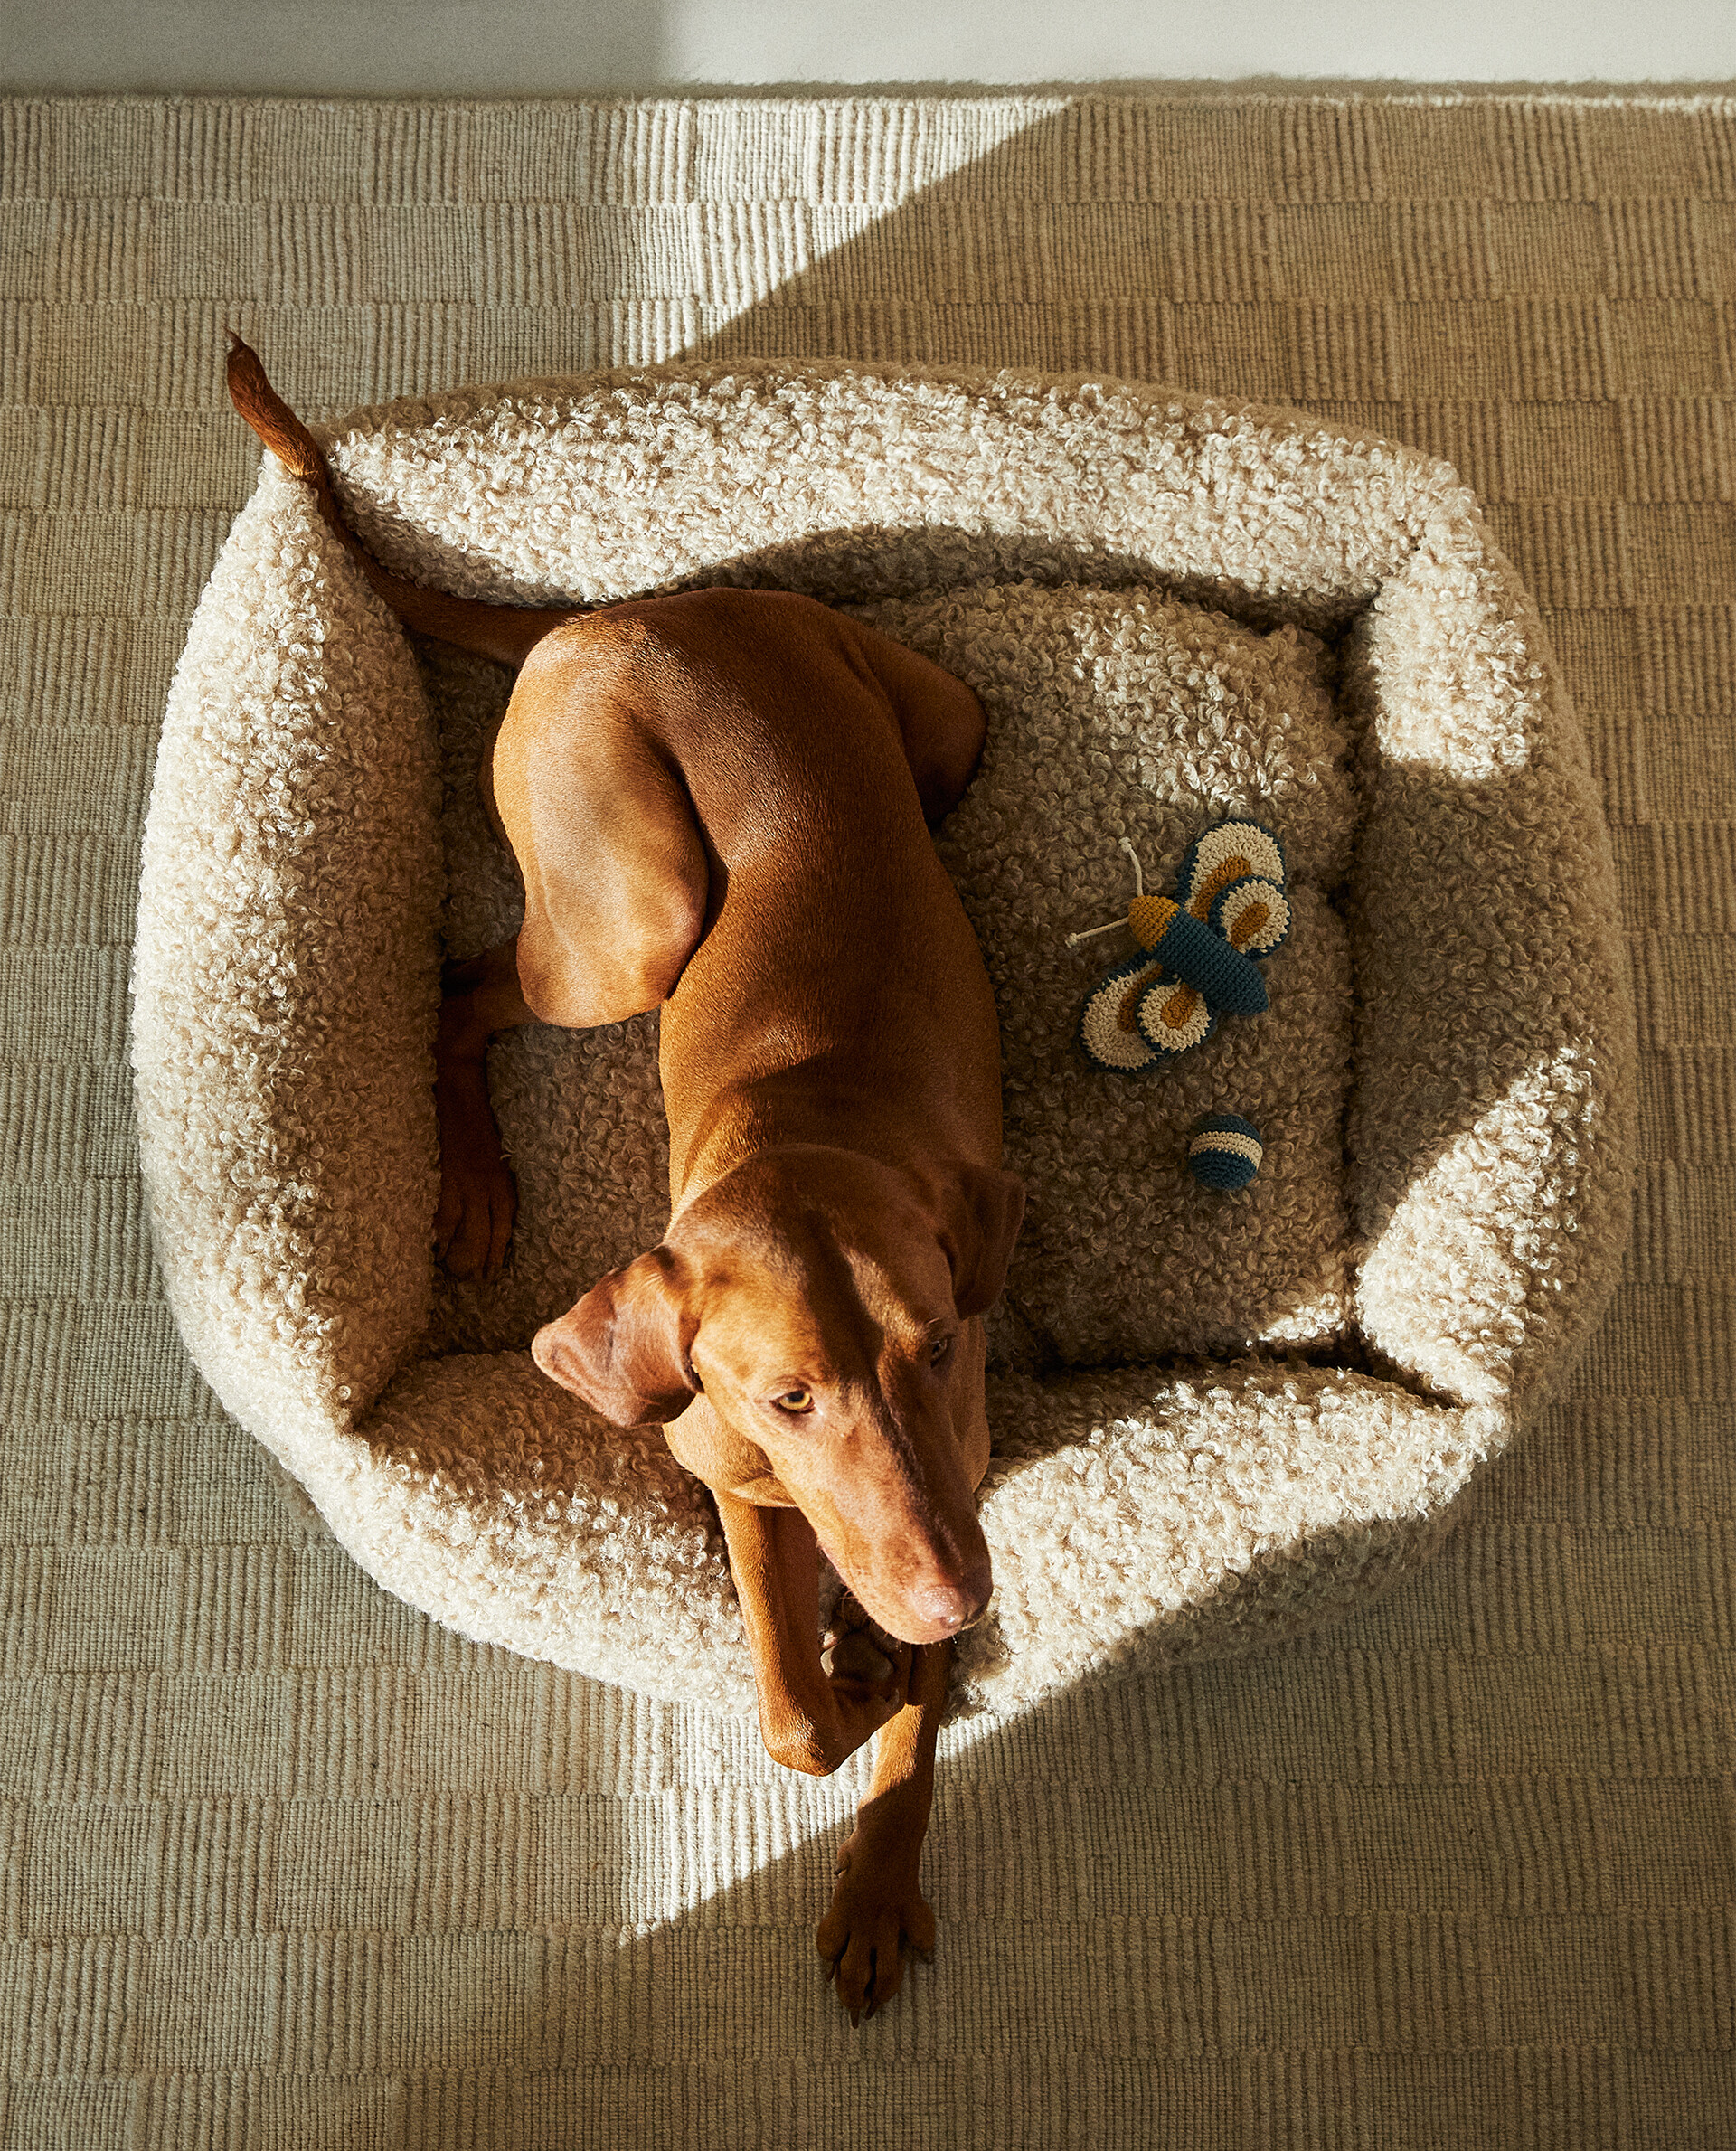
(878, 1905)
(939, 720)
(809, 1721)
(478, 1197)
(601, 826)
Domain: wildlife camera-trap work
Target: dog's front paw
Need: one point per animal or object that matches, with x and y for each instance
(868, 1678)
(478, 1201)
(854, 1651)
(876, 1910)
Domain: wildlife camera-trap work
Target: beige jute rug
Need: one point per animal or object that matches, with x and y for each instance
(283, 1864)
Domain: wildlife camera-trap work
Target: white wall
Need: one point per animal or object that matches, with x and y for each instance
(500, 47)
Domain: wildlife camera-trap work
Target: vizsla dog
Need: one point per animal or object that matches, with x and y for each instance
(717, 802)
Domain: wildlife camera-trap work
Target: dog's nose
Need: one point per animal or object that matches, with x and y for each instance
(950, 1605)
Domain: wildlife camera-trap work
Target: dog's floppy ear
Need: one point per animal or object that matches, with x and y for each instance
(623, 1347)
(981, 1223)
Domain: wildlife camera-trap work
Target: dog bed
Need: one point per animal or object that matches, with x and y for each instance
(1217, 1416)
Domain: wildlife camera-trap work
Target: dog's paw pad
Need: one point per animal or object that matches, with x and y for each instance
(852, 1658)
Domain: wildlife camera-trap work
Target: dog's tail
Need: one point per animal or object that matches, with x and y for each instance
(505, 632)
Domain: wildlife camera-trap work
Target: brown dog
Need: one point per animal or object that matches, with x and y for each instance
(717, 802)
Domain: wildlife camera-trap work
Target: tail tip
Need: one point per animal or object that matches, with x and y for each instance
(252, 393)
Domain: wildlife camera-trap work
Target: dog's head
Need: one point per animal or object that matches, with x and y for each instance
(805, 1322)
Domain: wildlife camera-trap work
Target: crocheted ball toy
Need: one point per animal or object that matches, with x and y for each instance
(1225, 1152)
(1198, 951)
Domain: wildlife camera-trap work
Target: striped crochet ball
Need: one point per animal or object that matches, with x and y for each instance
(1225, 1152)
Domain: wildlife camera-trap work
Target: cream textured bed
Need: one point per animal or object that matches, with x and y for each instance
(1217, 1417)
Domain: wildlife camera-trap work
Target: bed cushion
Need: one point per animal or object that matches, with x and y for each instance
(1217, 1416)
(1110, 713)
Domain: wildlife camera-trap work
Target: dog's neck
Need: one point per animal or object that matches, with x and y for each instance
(792, 1111)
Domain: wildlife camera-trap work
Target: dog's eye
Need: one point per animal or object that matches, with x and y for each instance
(795, 1400)
(938, 1350)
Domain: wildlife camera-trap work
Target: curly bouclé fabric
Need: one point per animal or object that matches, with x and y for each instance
(1217, 1416)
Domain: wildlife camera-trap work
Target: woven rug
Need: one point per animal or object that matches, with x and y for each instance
(284, 1865)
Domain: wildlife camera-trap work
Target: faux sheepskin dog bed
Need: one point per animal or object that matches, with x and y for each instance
(1217, 1416)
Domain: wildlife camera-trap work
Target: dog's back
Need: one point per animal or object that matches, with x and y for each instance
(832, 943)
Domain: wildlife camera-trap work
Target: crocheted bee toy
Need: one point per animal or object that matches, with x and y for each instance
(1198, 951)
